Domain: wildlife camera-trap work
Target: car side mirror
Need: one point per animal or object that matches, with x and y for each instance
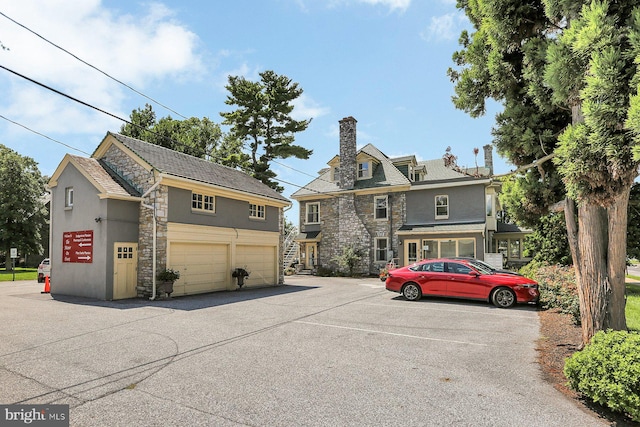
(473, 273)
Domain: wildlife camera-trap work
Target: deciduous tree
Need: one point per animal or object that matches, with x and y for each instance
(22, 204)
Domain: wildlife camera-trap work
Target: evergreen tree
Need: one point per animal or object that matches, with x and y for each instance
(263, 120)
(565, 72)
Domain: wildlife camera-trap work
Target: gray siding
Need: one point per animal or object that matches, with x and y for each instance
(122, 226)
(81, 279)
(466, 204)
(229, 213)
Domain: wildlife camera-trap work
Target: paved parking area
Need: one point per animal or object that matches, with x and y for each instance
(314, 352)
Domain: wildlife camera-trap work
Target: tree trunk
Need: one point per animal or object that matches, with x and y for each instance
(594, 287)
(572, 235)
(618, 213)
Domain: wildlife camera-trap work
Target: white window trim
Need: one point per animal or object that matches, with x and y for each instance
(202, 209)
(68, 197)
(306, 213)
(376, 249)
(255, 213)
(369, 171)
(435, 200)
(375, 208)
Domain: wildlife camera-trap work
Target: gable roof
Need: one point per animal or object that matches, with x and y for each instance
(100, 177)
(385, 175)
(182, 165)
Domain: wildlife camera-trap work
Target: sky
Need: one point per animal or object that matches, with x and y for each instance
(383, 62)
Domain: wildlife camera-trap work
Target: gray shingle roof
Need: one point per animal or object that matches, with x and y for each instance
(385, 174)
(185, 166)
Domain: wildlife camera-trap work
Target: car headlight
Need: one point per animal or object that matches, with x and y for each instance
(531, 285)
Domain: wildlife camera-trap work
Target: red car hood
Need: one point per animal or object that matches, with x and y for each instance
(510, 278)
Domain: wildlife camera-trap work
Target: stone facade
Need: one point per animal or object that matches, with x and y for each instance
(348, 220)
(348, 164)
(143, 180)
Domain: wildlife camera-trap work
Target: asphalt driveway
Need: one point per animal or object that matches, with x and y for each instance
(314, 352)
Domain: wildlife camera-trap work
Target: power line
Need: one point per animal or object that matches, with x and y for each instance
(43, 135)
(92, 66)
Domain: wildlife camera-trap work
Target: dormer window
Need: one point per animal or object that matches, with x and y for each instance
(364, 170)
(335, 171)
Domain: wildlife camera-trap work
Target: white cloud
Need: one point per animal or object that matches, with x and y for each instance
(137, 50)
(445, 27)
(306, 108)
(400, 5)
(393, 5)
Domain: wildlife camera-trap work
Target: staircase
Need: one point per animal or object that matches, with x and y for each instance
(291, 247)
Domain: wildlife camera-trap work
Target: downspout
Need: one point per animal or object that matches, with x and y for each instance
(284, 220)
(154, 244)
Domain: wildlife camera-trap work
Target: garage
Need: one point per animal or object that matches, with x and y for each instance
(203, 267)
(260, 261)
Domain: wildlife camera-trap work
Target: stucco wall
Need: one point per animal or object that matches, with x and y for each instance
(82, 279)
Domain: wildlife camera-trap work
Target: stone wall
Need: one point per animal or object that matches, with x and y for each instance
(143, 179)
(348, 164)
(348, 219)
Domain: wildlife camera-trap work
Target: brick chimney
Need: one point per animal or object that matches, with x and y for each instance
(348, 164)
(488, 158)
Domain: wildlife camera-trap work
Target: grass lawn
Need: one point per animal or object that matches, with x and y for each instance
(632, 310)
(21, 274)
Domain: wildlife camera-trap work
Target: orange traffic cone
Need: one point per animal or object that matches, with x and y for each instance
(47, 286)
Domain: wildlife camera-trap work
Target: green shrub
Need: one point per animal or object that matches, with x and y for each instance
(607, 371)
(324, 272)
(557, 286)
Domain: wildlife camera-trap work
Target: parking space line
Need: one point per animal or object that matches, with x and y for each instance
(413, 305)
(389, 333)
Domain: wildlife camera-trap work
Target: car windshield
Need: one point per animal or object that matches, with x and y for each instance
(483, 267)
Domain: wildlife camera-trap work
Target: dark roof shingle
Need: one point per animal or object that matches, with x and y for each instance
(185, 166)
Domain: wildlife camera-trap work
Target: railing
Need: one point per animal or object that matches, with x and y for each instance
(290, 247)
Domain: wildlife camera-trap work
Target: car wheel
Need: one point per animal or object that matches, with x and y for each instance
(503, 298)
(412, 292)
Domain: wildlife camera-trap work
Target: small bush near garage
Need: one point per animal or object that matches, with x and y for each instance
(557, 286)
(607, 371)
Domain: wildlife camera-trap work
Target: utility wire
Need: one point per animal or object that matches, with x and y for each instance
(111, 115)
(118, 81)
(92, 66)
(43, 135)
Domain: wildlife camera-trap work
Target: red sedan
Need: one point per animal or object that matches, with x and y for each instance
(461, 278)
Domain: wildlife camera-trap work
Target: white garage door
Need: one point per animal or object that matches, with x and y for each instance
(261, 263)
(203, 267)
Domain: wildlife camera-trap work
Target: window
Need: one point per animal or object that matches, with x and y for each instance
(68, 197)
(380, 207)
(448, 248)
(256, 211)
(489, 205)
(203, 202)
(336, 173)
(363, 170)
(382, 244)
(313, 213)
(442, 207)
(514, 248)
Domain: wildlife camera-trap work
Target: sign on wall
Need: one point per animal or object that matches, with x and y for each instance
(77, 246)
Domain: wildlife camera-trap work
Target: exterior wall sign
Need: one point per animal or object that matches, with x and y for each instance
(77, 246)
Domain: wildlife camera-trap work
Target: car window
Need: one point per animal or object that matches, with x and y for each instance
(483, 267)
(454, 267)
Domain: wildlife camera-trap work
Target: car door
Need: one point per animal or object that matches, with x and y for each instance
(432, 278)
(463, 284)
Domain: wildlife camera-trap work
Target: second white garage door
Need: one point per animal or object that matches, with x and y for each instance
(261, 263)
(203, 267)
